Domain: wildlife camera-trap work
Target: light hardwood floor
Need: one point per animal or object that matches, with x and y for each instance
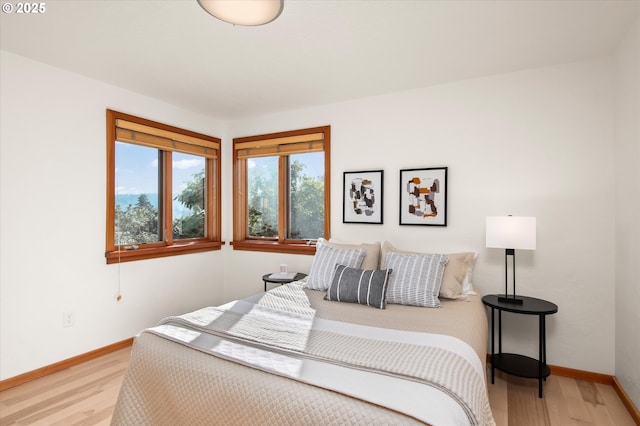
(85, 395)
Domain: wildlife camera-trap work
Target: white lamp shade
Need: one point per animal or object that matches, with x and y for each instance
(244, 12)
(511, 232)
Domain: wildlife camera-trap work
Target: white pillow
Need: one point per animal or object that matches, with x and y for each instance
(325, 261)
(371, 257)
(467, 283)
(416, 278)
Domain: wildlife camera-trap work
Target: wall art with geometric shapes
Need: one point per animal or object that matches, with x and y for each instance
(423, 196)
(362, 197)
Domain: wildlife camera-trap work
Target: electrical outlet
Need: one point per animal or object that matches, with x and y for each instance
(68, 318)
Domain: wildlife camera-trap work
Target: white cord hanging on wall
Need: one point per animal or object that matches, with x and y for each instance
(119, 242)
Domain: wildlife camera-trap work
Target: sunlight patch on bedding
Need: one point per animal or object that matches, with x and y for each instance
(267, 360)
(248, 355)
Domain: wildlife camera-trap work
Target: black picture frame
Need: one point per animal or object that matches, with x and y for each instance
(362, 195)
(423, 196)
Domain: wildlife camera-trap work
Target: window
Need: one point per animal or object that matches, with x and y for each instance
(163, 190)
(281, 190)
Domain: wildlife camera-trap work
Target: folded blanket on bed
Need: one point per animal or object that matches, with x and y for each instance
(279, 333)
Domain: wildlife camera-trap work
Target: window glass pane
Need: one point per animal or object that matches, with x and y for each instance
(306, 199)
(136, 211)
(189, 195)
(262, 200)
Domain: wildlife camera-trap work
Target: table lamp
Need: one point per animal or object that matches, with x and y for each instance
(511, 233)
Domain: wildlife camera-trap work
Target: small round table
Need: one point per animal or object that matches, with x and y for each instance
(520, 365)
(266, 278)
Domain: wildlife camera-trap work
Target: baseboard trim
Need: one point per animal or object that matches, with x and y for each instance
(59, 366)
(586, 376)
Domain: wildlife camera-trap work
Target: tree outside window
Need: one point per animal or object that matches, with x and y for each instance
(163, 190)
(281, 191)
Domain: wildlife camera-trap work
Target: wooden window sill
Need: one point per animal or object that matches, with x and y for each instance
(123, 255)
(274, 247)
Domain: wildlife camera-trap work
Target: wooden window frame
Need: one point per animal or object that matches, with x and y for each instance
(281, 144)
(167, 139)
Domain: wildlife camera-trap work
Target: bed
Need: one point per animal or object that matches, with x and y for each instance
(289, 356)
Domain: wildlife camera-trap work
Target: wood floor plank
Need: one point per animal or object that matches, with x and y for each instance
(498, 398)
(58, 395)
(525, 407)
(595, 403)
(575, 404)
(61, 392)
(96, 404)
(614, 405)
(556, 406)
(58, 382)
(589, 393)
(600, 415)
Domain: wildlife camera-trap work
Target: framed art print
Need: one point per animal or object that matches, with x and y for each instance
(362, 197)
(423, 196)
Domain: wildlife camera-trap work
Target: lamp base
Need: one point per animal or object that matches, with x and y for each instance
(510, 299)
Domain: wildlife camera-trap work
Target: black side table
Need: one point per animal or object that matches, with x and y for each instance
(520, 365)
(281, 281)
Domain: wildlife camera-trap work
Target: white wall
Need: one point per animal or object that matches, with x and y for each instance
(53, 157)
(537, 142)
(627, 167)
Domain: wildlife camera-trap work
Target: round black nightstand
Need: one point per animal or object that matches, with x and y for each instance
(520, 365)
(266, 278)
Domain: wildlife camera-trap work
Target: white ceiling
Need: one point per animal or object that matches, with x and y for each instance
(316, 52)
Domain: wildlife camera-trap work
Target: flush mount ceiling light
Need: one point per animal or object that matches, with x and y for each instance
(243, 12)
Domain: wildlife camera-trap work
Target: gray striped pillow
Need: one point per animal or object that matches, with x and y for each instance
(325, 261)
(363, 286)
(416, 278)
